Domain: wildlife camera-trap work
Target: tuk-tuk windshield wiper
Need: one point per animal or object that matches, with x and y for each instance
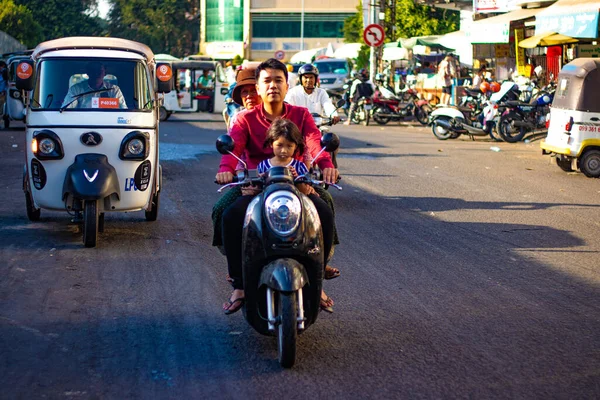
(83, 94)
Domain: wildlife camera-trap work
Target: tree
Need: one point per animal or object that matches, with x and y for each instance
(61, 18)
(353, 27)
(18, 21)
(166, 26)
(415, 20)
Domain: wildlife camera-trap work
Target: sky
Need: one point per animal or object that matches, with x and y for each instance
(103, 7)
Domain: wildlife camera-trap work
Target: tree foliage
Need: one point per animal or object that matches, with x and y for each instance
(60, 18)
(18, 22)
(415, 20)
(166, 26)
(353, 27)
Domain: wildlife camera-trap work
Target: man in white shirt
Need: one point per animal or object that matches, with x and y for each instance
(101, 94)
(308, 95)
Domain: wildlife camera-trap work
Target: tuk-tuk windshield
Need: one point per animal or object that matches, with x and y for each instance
(92, 84)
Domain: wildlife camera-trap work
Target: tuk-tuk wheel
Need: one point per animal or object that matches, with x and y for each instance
(564, 164)
(6, 121)
(90, 223)
(33, 214)
(589, 163)
(152, 215)
(163, 114)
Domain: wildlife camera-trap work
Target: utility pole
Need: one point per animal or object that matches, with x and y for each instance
(372, 13)
(302, 28)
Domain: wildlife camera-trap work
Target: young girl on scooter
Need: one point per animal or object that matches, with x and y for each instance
(284, 137)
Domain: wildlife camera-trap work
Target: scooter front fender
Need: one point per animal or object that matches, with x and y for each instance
(91, 177)
(284, 275)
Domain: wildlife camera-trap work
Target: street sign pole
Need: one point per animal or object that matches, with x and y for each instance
(372, 54)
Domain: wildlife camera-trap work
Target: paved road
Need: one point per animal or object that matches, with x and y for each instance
(467, 273)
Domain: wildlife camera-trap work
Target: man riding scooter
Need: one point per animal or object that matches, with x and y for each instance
(308, 95)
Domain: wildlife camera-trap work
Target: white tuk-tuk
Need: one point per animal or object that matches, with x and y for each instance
(191, 94)
(92, 129)
(574, 129)
(13, 108)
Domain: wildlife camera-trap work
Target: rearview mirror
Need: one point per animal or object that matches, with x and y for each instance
(225, 144)
(25, 75)
(164, 78)
(330, 141)
(340, 103)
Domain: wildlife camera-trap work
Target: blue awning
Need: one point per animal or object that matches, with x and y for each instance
(575, 18)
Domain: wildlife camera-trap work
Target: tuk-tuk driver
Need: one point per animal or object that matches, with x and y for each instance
(205, 81)
(94, 85)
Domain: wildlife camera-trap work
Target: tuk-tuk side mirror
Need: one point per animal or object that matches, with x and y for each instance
(164, 77)
(25, 75)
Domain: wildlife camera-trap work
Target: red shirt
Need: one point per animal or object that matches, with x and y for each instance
(250, 130)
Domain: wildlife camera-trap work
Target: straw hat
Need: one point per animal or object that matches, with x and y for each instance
(246, 76)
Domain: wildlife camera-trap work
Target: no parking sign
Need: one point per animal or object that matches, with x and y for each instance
(280, 55)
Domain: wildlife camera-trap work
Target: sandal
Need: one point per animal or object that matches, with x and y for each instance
(331, 273)
(327, 305)
(233, 309)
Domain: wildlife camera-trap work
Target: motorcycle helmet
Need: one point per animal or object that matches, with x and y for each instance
(484, 87)
(379, 78)
(308, 69)
(544, 99)
(495, 87)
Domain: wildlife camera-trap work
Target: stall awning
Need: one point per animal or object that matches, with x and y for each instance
(306, 56)
(546, 39)
(497, 29)
(393, 51)
(575, 18)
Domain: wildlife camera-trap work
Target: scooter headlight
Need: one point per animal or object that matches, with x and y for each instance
(46, 146)
(135, 147)
(283, 210)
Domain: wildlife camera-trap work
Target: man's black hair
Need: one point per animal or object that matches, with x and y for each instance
(272, 63)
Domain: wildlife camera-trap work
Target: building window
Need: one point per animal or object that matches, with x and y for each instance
(288, 25)
(224, 20)
(262, 46)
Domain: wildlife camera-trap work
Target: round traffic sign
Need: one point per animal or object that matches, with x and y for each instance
(373, 35)
(280, 55)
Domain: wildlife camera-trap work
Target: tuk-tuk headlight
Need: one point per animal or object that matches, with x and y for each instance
(46, 145)
(283, 211)
(135, 146)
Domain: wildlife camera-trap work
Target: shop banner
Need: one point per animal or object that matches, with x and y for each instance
(494, 6)
(578, 25)
(520, 52)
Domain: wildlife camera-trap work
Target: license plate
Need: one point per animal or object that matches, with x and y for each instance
(368, 106)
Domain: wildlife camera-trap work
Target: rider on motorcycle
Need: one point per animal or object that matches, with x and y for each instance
(308, 95)
(361, 87)
(383, 88)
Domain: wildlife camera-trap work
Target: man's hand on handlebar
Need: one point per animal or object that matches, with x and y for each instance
(330, 175)
(223, 178)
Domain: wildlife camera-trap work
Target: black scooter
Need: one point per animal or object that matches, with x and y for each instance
(282, 253)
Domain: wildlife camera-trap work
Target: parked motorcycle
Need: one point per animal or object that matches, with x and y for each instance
(282, 252)
(476, 116)
(386, 109)
(518, 117)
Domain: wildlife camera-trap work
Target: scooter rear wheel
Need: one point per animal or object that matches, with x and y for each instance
(287, 332)
(90, 223)
(422, 114)
(440, 132)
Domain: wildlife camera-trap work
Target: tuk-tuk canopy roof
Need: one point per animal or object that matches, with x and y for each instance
(83, 42)
(193, 64)
(577, 86)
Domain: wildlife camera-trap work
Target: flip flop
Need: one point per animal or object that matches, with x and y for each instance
(324, 306)
(331, 273)
(231, 309)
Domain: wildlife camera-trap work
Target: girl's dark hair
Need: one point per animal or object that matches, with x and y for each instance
(272, 63)
(287, 129)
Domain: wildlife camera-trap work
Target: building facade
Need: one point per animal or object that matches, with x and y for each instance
(260, 29)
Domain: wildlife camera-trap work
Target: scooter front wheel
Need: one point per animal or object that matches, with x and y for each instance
(422, 114)
(90, 223)
(287, 333)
